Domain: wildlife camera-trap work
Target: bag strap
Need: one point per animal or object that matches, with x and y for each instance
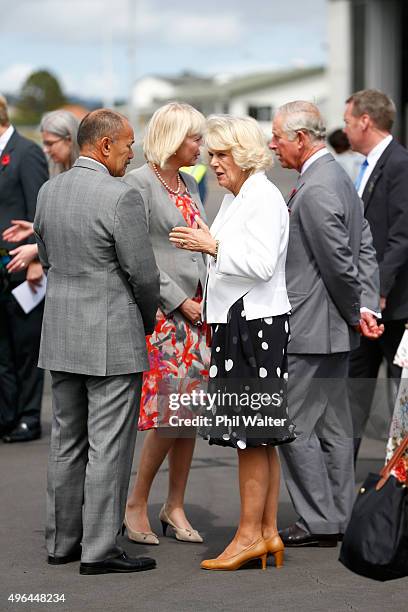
(387, 469)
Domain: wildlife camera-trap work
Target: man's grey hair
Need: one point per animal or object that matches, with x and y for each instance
(4, 118)
(302, 116)
(98, 124)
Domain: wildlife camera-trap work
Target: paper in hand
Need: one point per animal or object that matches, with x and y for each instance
(26, 297)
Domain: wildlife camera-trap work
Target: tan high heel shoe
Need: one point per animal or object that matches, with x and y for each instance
(257, 550)
(181, 533)
(141, 537)
(276, 548)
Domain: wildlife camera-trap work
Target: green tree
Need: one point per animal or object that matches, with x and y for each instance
(40, 93)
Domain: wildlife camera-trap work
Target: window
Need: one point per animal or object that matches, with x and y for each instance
(260, 113)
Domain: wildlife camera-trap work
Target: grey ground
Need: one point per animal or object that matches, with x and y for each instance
(311, 579)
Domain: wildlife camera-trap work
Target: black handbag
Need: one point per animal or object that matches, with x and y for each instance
(375, 543)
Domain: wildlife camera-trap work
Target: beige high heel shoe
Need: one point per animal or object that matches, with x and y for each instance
(256, 550)
(181, 533)
(276, 548)
(141, 537)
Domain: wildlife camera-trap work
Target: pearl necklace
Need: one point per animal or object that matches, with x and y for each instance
(163, 182)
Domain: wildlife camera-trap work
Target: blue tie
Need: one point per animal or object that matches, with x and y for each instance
(358, 180)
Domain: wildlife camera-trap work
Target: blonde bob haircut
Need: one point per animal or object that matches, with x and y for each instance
(242, 137)
(168, 128)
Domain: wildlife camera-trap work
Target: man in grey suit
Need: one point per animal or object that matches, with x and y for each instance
(102, 296)
(331, 274)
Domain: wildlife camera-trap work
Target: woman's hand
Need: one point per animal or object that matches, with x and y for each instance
(191, 310)
(19, 230)
(22, 257)
(194, 239)
(34, 275)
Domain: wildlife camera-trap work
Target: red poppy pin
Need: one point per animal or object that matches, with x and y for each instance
(292, 193)
(5, 160)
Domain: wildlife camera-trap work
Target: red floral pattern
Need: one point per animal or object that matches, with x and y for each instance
(178, 353)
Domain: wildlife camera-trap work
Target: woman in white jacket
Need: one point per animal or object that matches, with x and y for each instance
(247, 304)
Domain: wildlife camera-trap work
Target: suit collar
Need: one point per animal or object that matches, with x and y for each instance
(13, 140)
(310, 170)
(4, 138)
(376, 173)
(90, 164)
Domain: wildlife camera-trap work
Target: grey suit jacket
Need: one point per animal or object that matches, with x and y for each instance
(103, 283)
(180, 270)
(331, 267)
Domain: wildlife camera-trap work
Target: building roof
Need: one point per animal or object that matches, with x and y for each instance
(233, 86)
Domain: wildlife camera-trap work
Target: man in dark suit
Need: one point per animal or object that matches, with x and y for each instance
(383, 186)
(23, 169)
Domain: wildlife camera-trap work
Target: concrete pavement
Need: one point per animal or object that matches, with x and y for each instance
(311, 579)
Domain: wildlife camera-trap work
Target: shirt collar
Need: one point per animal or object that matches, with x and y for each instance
(4, 138)
(314, 158)
(94, 161)
(375, 153)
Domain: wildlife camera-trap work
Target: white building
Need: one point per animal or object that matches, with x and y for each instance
(256, 94)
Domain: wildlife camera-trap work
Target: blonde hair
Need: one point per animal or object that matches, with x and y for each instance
(243, 137)
(168, 128)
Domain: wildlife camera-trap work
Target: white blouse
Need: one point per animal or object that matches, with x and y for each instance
(253, 230)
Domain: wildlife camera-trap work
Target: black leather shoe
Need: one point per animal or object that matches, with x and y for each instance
(75, 555)
(119, 564)
(23, 433)
(294, 536)
(5, 429)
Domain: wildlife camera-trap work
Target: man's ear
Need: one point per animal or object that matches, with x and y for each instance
(365, 121)
(105, 145)
(303, 139)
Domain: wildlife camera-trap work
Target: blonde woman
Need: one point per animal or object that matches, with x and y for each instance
(177, 349)
(247, 304)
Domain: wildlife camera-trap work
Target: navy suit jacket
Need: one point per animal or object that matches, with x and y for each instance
(20, 181)
(385, 200)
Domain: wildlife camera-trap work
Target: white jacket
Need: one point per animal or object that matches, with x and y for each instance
(253, 231)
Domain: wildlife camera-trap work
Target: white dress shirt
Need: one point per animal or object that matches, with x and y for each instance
(4, 138)
(372, 158)
(253, 232)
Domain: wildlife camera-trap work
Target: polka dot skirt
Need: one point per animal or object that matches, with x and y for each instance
(249, 358)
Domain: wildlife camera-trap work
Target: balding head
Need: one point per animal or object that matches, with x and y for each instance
(107, 137)
(99, 123)
(4, 118)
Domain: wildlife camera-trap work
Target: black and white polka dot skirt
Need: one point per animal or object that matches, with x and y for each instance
(248, 380)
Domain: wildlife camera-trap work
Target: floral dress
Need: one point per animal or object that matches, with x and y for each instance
(399, 423)
(178, 352)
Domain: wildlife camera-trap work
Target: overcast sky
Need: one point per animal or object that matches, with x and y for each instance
(86, 42)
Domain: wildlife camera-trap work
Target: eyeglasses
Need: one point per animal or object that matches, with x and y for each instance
(48, 144)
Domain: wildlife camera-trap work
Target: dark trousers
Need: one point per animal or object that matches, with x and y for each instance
(365, 363)
(21, 381)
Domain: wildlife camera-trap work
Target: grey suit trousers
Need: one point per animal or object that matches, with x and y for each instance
(92, 444)
(318, 466)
